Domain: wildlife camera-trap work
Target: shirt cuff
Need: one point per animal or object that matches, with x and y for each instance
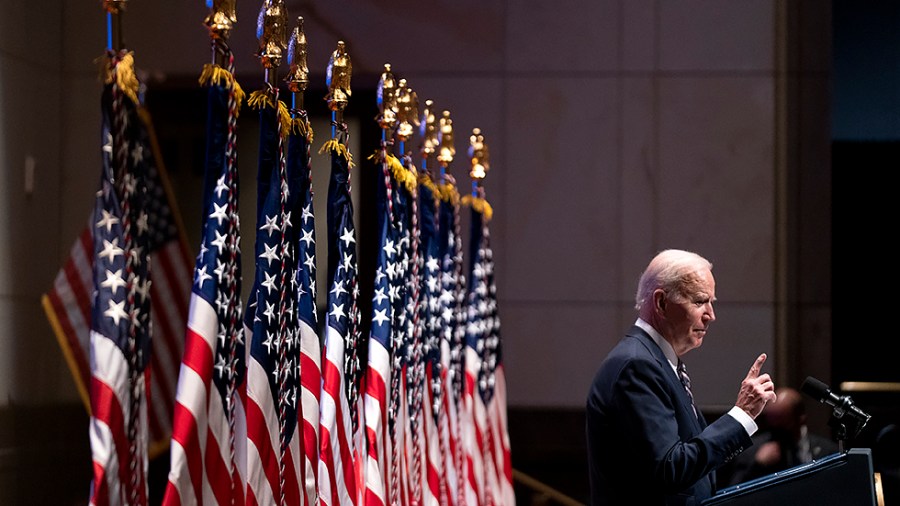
(744, 419)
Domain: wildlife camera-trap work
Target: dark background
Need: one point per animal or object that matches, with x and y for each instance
(548, 444)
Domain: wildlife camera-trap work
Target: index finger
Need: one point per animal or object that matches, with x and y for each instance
(757, 366)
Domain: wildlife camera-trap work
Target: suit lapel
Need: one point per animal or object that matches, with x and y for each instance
(671, 376)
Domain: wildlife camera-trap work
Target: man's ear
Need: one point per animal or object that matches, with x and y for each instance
(660, 297)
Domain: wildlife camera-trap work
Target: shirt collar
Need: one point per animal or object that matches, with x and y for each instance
(664, 345)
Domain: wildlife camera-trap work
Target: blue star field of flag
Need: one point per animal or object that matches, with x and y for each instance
(121, 308)
(452, 294)
(217, 280)
(399, 249)
(342, 311)
(429, 307)
(483, 325)
(275, 344)
(305, 279)
(381, 298)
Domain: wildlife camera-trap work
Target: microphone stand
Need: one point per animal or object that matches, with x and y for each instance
(842, 427)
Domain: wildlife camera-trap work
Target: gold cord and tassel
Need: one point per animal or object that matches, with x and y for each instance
(122, 72)
(479, 204)
(301, 126)
(449, 193)
(262, 98)
(213, 74)
(335, 146)
(426, 181)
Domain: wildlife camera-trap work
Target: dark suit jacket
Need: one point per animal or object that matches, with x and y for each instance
(645, 446)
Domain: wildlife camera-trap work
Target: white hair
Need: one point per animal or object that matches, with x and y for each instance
(672, 270)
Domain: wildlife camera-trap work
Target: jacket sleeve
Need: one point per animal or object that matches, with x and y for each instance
(654, 414)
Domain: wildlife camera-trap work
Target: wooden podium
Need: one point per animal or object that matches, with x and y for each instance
(840, 478)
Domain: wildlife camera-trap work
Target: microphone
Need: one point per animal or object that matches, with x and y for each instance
(842, 405)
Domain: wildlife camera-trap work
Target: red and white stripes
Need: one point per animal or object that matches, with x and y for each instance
(337, 476)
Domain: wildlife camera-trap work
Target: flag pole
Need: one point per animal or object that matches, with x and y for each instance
(114, 13)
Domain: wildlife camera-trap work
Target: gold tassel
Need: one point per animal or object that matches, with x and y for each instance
(125, 77)
(122, 72)
(213, 74)
(302, 127)
(259, 99)
(238, 94)
(480, 205)
(285, 122)
(426, 181)
(401, 174)
(449, 193)
(332, 145)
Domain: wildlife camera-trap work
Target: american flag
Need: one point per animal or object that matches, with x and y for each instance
(68, 302)
(411, 329)
(492, 382)
(402, 281)
(379, 371)
(488, 452)
(275, 427)
(452, 336)
(473, 418)
(339, 428)
(120, 312)
(208, 450)
(310, 348)
(435, 491)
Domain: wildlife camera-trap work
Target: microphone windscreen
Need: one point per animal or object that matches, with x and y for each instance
(815, 388)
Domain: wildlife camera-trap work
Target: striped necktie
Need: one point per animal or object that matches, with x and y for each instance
(686, 381)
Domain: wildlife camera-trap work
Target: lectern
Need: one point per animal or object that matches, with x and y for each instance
(840, 478)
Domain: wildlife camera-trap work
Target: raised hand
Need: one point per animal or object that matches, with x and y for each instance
(756, 389)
